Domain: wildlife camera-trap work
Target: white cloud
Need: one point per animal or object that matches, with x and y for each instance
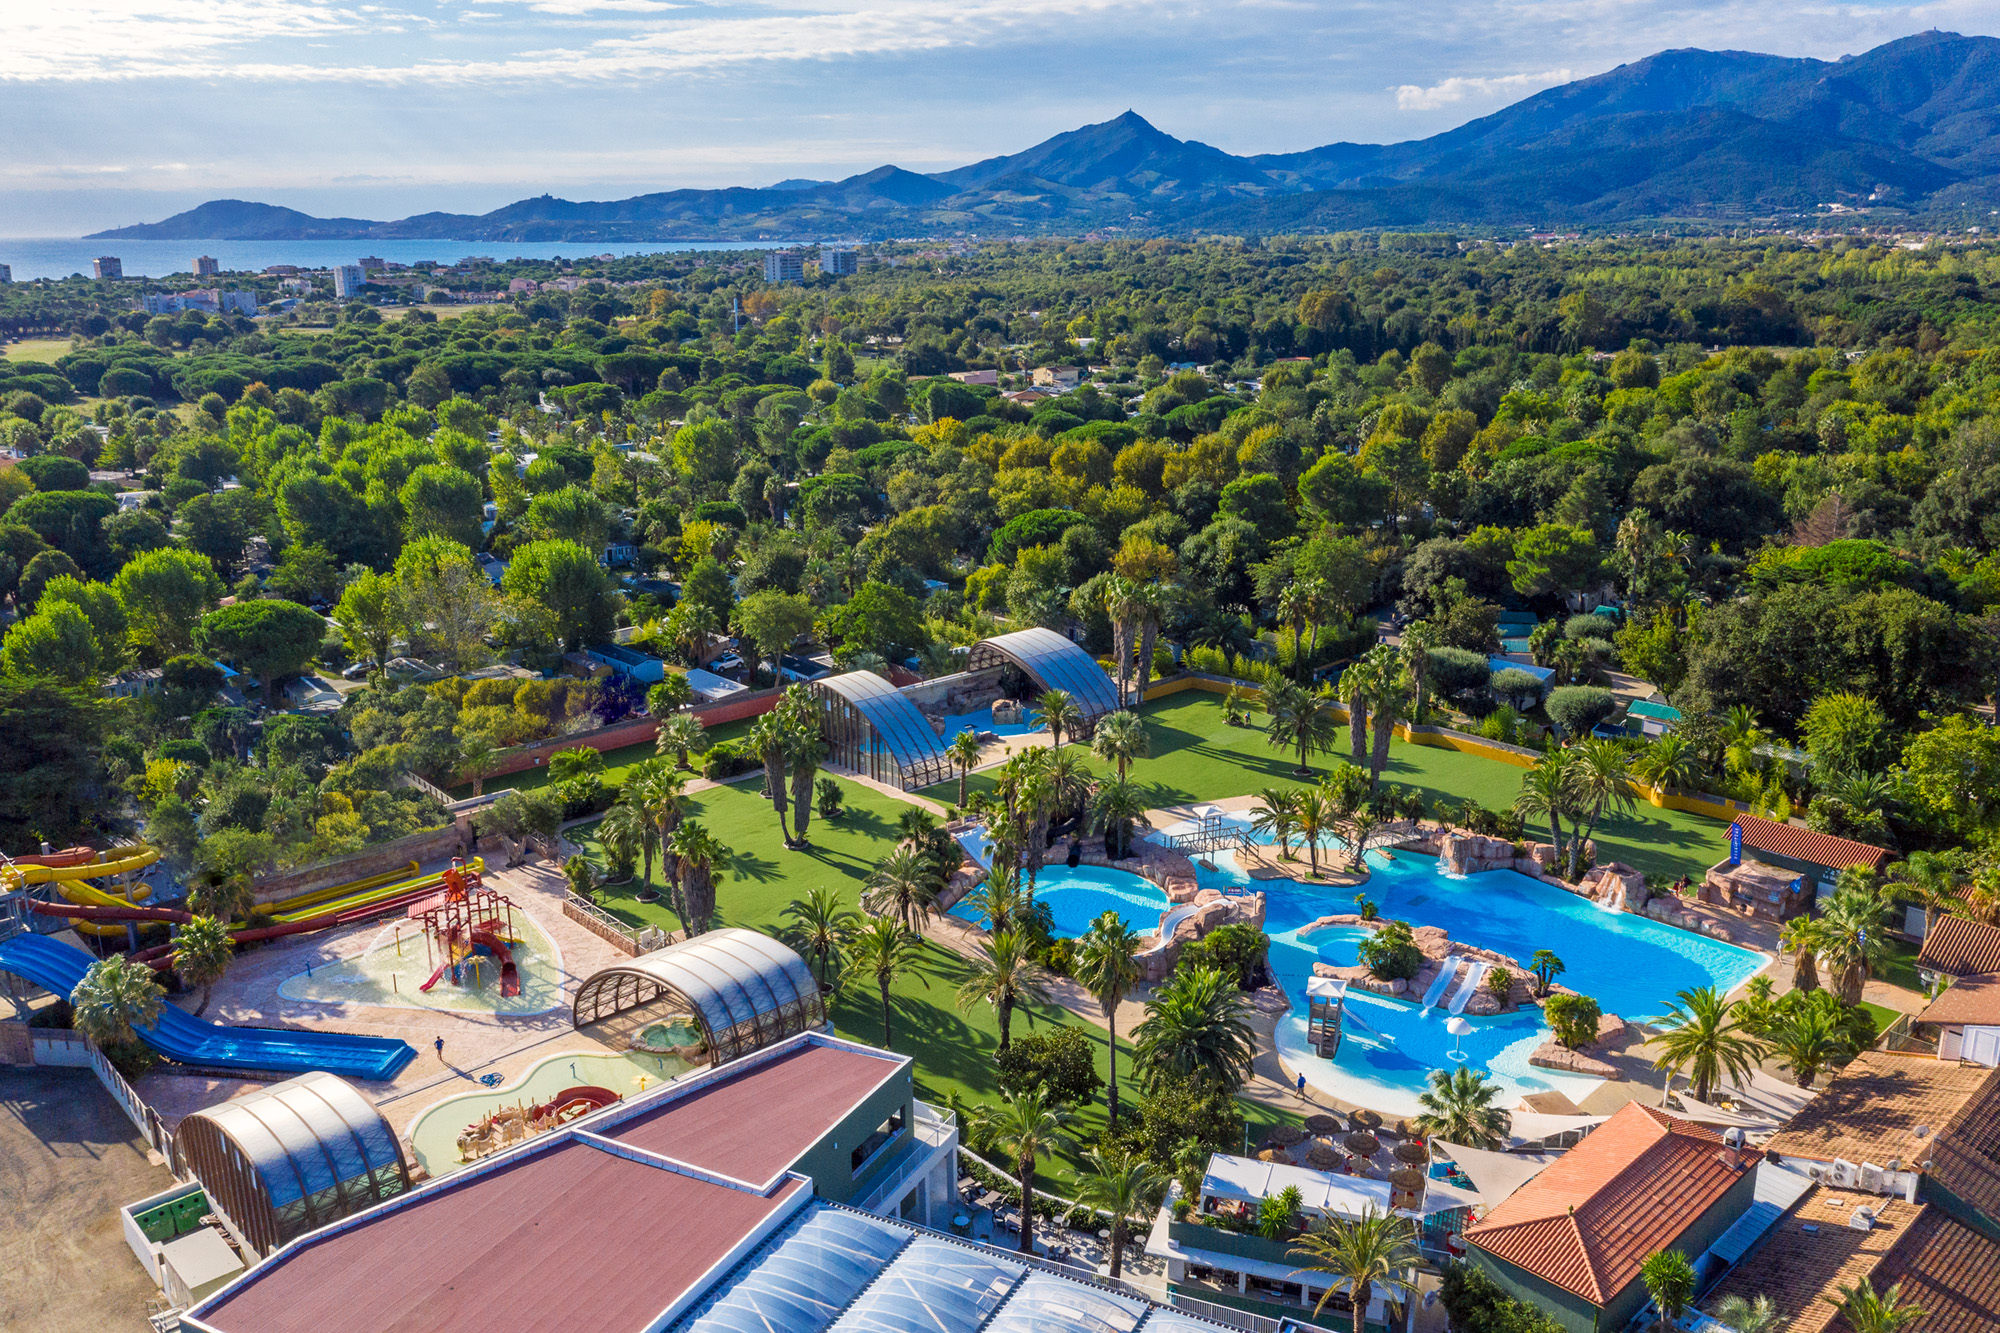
(1410, 97)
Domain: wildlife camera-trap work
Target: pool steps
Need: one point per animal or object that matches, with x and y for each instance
(1474, 974)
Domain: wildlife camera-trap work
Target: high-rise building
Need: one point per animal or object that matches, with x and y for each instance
(784, 266)
(6, 273)
(839, 263)
(206, 267)
(348, 280)
(107, 267)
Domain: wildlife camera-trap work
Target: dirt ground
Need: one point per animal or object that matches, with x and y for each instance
(69, 1159)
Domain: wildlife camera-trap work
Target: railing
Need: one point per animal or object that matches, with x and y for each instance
(934, 1130)
(1238, 1318)
(129, 1101)
(1900, 1036)
(630, 939)
(426, 786)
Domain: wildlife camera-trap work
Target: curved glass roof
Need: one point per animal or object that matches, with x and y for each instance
(801, 1282)
(1045, 1302)
(729, 977)
(933, 1287)
(898, 722)
(306, 1135)
(1054, 663)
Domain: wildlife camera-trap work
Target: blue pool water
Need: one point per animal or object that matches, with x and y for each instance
(1078, 895)
(983, 721)
(1630, 964)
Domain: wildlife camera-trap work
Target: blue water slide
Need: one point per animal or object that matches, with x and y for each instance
(179, 1035)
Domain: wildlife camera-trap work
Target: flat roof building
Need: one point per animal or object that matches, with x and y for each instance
(107, 267)
(205, 266)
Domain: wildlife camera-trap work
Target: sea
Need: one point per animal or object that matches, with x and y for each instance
(62, 256)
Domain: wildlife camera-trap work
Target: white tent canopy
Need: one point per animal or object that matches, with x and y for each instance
(1495, 1175)
(1247, 1180)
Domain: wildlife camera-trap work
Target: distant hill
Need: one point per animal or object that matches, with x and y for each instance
(1681, 134)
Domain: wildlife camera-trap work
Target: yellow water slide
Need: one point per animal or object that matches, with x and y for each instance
(73, 883)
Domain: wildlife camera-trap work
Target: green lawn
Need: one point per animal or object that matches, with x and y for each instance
(1198, 757)
(1902, 966)
(616, 763)
(953, 1048)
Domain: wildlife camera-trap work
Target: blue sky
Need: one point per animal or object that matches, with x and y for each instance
(121, 111)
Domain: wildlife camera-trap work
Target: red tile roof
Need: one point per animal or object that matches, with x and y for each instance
(1974, 999)
(1803, 844)
(1589, 1220)
(753, 1126)
(1947, 1270)
(575, 1237)
(1960, 947)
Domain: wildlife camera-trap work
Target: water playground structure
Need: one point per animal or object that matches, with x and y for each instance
(506, 1126)
(464, 926)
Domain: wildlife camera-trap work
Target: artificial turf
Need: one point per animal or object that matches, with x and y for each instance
(1196, 756)
(953, 1047)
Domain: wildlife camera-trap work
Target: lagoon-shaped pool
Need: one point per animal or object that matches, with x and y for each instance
(1631, 965)
(1078, 895)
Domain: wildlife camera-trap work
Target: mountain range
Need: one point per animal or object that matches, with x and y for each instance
(1685, 134)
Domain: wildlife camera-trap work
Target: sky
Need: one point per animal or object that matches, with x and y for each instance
(123, 111)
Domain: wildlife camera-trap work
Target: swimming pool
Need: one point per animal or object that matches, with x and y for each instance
(982, 720)
(1631, 965)
(1078, 895)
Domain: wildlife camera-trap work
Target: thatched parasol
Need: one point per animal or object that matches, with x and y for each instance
(1365, 1119)
(1322, 1124)
(1408, 1182)
(1286, 1135)
(1273, 1155)
(1362, 1145)
(1322, 1158)
(1413, 1153)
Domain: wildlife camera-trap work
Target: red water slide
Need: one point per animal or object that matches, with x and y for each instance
(510, 974)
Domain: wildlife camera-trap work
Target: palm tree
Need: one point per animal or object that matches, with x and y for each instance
(1314, 814)
(888, 949)
(1419, 637)
(1803, 938)
(1276, 815)
(1705, 1040)
(820, 926)
(1391, 695)
(1195, 1028)
(1124, 1185)
(1806, 1040)
(1124, 605)
(224, 897)
(1154, 601)
(1854, 944)
(1117, 804)
(700, 855)
(628, 835)
(1107, 965)
(574, 766)
(903, 886)
(1121, 738)
(680, 733)
(1868, 1312)
(1294, 609)
(767, 737)
(1364, 1252)
(1458, 1108)
(1667, 763)
(1024, 1127)
(1357, 687)
(1546, 793)
(1756, 1314)
(1299, 720)
(1933, 878)
(114, 997)
(1669, 1279)
(804, 746)
(1599, 777)
(1005, 976)
(475, 760)
(964, 752)
(657, 789)
(202, 953)
(1070, 781)
(999, 898)
(1059, 713)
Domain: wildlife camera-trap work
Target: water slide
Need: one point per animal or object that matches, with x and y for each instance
(179, 1035)
(71, 870)
(486, 936)
(1443, 982)
(22, 874)
(1474, 975)
(292, 906)
(373, 901)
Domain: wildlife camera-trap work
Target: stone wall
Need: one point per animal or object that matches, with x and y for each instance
(438, 844)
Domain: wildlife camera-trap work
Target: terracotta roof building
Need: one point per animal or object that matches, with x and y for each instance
(1802, 848)
(1572, 1240)
(1957, 947)
(1813, 1251)
(1892, 1118)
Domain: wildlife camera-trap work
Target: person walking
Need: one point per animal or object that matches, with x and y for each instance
(439, 1043)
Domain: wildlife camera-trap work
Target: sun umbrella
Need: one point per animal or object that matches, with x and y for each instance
(1322, 1158)
(1365, 1119)
(1286, 1135)
(1413, 1153)
(1362, 1145)
(1272, 1155)
(1322, 1124)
